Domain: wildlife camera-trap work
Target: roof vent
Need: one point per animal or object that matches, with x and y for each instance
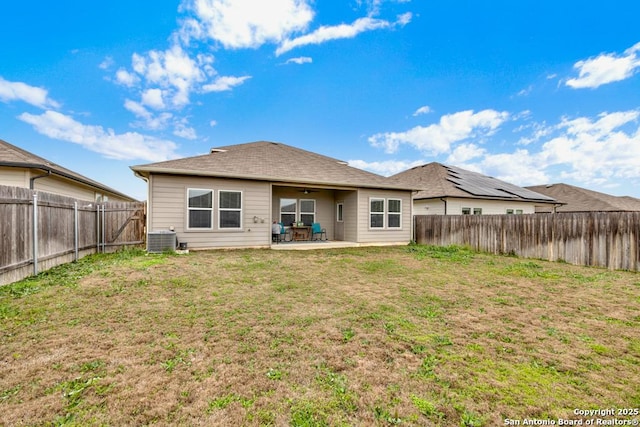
(217, 150)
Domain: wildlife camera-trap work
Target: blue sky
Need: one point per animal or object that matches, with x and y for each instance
(532, 92)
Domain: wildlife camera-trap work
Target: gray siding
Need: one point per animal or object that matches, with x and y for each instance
(168, 208)
(384, 235)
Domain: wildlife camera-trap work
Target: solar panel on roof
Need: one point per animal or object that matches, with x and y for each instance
(482, 185)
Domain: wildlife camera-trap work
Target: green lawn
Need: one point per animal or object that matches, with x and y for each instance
(408, 335)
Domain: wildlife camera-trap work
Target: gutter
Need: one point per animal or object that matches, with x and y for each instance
(32, 179)
(285, 180)
(53, 171)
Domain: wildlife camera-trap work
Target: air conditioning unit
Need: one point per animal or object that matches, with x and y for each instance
(161, 241)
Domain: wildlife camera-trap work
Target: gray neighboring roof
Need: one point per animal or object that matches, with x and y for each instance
(437, 180)
(271, 161)
(12, 156)
(578, 199)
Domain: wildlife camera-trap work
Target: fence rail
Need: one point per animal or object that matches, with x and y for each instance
(605, 239)
(40, 230)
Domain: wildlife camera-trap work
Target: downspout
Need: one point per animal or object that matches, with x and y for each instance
(445, 204)
(32, 179)
(148, 201)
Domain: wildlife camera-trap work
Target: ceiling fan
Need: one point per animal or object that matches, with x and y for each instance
(308, 191)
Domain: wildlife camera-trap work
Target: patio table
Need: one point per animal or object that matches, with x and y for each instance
(301, 232)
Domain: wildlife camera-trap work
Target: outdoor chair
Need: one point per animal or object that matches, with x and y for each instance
(285, 234)
(317, 230)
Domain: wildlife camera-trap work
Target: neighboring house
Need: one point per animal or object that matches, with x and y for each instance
(448, 190)
(20, 168)
(576, 199)
(229, 197)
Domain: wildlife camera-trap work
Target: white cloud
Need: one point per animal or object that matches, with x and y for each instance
(519, 168)
(184, 131)
(422, 110)
(213, 123)
(174, 71)
(438, 138)
(147, 119)
(126, 146)
(224, 83)
(596, 149)
(126, 78)
(245, 23)
(606, 68)
(153, 98)
(342, 31)
(586, 151)
(465, 152)
(18, 91)
(106, 63)
(299, 60)
(387, 167)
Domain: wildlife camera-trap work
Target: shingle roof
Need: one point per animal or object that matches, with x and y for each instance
(271, 161)
(437, 180)
(13, 156)
(578, 199)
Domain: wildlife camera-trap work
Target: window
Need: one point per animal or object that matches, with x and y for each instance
(394, 215)
(340, 212)
(376, 213)
(230, 209)
(308, 211)
(519, 211)
(509, 211)
(288, 211)
(477, 211)
(200, 208)
(466, 211)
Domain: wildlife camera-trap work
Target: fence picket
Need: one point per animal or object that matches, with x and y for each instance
(605, 239)
(55, 240)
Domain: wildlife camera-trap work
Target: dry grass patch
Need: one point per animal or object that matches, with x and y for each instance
(369, 336)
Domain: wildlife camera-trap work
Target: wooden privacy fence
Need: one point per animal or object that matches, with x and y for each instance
(606, 239)
(40, 230)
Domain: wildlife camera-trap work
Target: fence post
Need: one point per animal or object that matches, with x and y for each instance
(104, 234)
(97, 228)
(34, 230)
(75, 230)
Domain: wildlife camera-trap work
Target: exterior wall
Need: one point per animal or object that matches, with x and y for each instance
(349, 199)
(19, 177)
(168, 208)
(383, 235)
(14, 177)
(455, 205)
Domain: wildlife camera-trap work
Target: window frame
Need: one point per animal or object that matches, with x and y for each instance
(294, 213)
(189, 209)
(221, 210)
(477, 211)
(398, 214)
(466, 211)
(377, 213)
(301, 212)
(340, 212)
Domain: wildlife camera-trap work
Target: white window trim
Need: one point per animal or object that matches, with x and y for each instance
(211, 209)
(295, 213)
(399, 214)
(307, 213)
(221, 209)
(383, 213)
(340, 212)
